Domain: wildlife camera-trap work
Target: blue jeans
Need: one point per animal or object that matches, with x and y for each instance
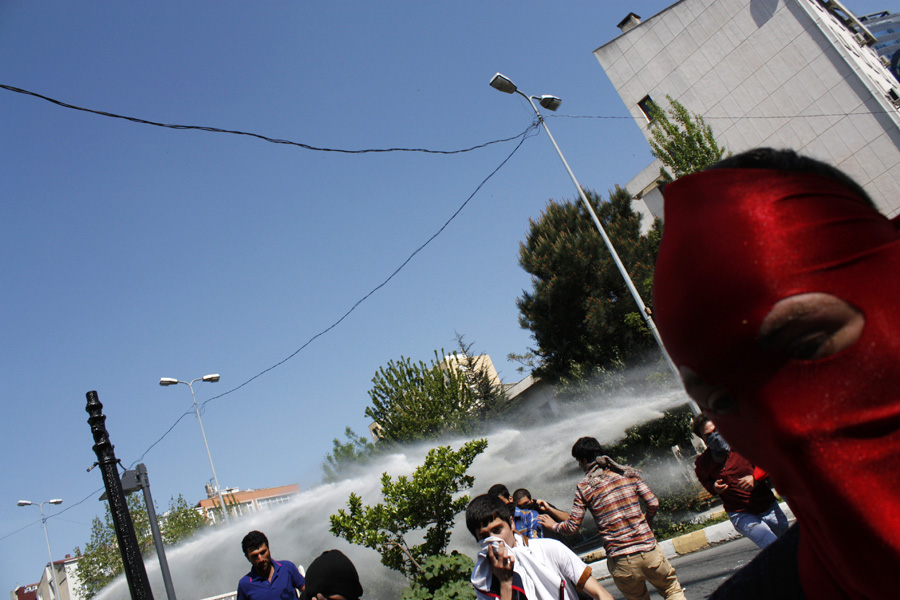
(763, 528)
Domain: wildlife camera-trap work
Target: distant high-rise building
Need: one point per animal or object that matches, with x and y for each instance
(885, 27)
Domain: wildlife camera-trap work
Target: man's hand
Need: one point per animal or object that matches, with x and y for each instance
(502, 563)
(746, 483)
(719, 486)
(544, 507)
(546, 521)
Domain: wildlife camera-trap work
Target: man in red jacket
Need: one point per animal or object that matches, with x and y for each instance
(750, 504)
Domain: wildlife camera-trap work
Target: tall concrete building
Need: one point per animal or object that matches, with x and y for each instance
(797, 74)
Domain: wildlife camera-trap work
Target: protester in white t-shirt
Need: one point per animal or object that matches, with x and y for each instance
(510, 566)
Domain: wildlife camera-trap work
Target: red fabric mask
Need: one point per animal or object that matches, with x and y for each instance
(737, 241)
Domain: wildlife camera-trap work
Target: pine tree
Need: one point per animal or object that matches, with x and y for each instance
(580, 311)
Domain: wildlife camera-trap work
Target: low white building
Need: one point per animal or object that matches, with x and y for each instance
(66, 577)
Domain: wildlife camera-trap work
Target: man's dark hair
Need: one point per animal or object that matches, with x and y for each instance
(485, 508)
(521, 493)
(252, 541)
(332, 574)
(498, 489)
(788, 160)
(587, 449)
(698, 423)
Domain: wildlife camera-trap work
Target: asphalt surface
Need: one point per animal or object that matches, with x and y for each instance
(701, 572)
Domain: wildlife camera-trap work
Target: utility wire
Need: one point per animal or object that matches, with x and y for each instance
(53, 516)
(524, 135)
(706, 118)
(247, 133)
(375, 150)
(521, 137)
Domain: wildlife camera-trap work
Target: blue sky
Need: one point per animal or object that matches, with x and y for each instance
(133, 252)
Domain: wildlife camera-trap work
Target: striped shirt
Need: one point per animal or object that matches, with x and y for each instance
(614, 502)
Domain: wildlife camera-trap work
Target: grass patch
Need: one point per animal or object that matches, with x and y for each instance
(665, 529)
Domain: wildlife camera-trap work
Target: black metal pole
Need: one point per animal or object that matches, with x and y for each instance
(144, 482)
(135, 573)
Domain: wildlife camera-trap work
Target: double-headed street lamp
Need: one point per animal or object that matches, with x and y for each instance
(504, 84)
(40, 506)
(210, 379)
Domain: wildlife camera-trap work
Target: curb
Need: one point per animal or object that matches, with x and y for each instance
(685, 544)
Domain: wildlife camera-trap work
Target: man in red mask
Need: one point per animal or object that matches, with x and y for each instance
(777, 294)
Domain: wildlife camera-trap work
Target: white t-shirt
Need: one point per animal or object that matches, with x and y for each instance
(549, 570)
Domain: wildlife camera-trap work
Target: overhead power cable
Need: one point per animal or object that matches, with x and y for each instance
(524, 135)
(247, 133)
(54, 515)
(374, 150)
(706, 118)
(521, 137)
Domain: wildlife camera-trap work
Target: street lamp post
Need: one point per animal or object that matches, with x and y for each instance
(210, 379)
(40, 506)
(504, 84)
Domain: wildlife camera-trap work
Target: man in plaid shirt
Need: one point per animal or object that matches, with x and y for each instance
(613, 493)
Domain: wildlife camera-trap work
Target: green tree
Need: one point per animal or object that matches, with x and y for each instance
(528, 362)
(443, 577)
(418, 401)
(423, 504)
(101, 561)
(180, 522)
(357, 450)
(580, 310)
(683, 142)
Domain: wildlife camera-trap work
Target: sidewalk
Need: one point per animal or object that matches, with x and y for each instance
(683, 544)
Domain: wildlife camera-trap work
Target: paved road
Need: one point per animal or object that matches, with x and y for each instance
(700, 573)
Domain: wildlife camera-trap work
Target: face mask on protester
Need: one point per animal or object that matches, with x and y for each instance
(718, 447)
(736, 243)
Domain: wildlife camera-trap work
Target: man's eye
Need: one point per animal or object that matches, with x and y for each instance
(810, 326)
(809, 347)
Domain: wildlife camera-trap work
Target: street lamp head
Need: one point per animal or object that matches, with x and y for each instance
(23, 503)
(503, 83)
(167, 381)
(549, 102)
(211, 378)
(56, 501)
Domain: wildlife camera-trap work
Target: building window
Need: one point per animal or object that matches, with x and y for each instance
(645, 105)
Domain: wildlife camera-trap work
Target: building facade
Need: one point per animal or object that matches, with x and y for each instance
(247, 501)
(885, 28)
(24, 592)
(797, 74)
(66, 578)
